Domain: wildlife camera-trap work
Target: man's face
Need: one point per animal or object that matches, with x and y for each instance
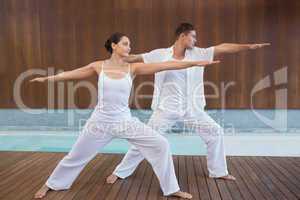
(189, 39)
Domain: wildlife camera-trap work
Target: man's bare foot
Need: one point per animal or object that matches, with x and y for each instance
(41, 192)
(111, 179)
(227, 177)
(181, 194)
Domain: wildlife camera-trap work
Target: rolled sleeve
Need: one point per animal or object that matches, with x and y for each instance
(205, 53)
(153, 56)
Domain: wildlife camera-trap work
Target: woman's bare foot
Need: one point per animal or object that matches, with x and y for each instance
(41, 192)
(111, 179)
(181, 194)
(227, 177)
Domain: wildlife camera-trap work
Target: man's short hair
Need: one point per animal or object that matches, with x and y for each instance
(184, 28)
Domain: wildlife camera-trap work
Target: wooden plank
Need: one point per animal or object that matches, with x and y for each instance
(281, 174)
(191, 176)
(100, 189)
(289, 166)
(290, 14)
(182, 174)
(144, 190)
(201, 179)
(212, 185)
(19, 170)
(266, 173)
(248, 181)
(256, 179)
(101, 192)
(8, 159)
(25, 179)
(81, 180)
(37, 179)
(126, 185)
(224, 192)
(41, 34)
(231, 185)
(266, 180)
(284, 170)
(98, 179)
(114, 190)
(240, 184)
(295, 160)
(271, 175)
(136, 185)
(3, 61)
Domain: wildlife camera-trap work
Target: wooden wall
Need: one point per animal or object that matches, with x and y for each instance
(66, 34)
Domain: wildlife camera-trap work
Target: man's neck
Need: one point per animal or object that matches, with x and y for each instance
(178, 51)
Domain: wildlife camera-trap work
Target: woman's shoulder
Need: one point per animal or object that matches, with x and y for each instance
(97, 65)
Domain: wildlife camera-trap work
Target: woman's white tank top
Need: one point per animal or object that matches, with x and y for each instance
(113, 97)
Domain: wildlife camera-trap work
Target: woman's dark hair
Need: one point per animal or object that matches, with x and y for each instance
(114, 38)
(184, 28)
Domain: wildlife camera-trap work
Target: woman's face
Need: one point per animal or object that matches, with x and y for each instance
(122, 48)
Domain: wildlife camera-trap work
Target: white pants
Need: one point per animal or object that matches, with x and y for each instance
(202, 124)
(96, 135)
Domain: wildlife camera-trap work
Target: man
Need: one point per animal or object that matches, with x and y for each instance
(179, 96)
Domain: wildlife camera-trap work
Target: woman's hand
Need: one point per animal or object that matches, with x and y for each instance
(206, 63)
(76, 74)
(39, 79)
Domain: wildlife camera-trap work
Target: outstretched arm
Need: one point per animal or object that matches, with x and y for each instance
(151, 68)
(134, 58)
(76, 74)
(227, 48)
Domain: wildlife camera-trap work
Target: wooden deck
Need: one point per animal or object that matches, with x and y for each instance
(22, 173)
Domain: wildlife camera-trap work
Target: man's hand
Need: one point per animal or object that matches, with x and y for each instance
(228, 48)
(257, 46)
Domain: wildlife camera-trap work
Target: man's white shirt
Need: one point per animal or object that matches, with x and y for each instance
(179, 90)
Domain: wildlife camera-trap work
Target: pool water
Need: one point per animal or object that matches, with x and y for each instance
(245, 134)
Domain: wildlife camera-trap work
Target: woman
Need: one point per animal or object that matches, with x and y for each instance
(112, 119)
